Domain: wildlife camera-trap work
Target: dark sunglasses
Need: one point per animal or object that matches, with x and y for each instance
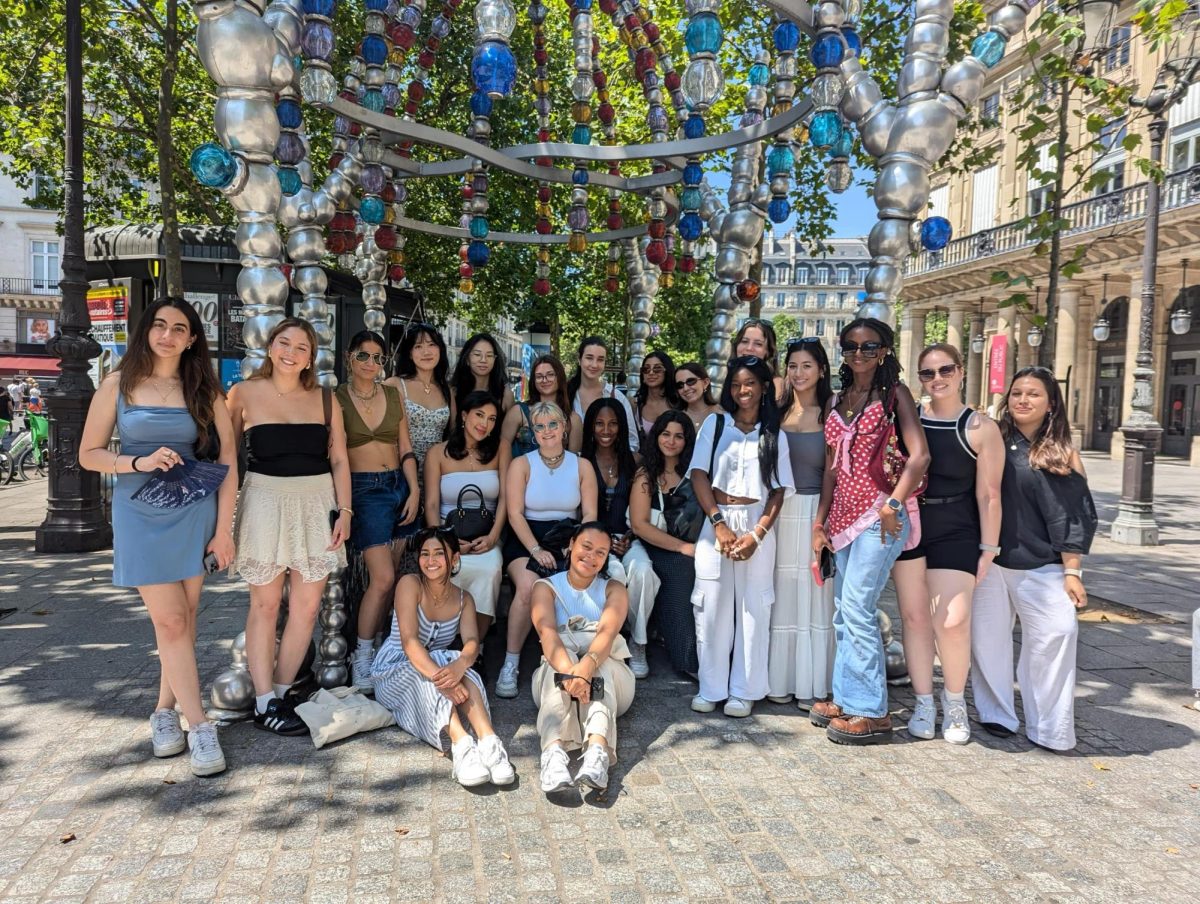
(868, 349)
(803, 340)
(929, 373)
(658, 369)
(687, 384)
(363, 357)
(746, 361)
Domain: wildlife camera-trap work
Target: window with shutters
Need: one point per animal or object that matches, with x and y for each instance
(989, 112)
(985, 186)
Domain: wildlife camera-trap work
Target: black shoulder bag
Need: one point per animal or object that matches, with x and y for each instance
(470, 522)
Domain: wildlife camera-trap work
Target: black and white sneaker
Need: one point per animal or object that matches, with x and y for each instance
(280, 718)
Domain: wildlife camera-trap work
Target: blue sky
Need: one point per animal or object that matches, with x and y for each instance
(856, 213)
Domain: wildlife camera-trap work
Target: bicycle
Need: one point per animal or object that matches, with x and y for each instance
(6, 462)
(30, 451)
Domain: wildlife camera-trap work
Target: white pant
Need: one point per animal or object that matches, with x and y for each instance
(1046, 668)
(732, 603)
(636, 572)
(1196, 650)
(480, 576)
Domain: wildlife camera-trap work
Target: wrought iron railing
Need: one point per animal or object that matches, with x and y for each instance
(1124, 205)
(10, 285)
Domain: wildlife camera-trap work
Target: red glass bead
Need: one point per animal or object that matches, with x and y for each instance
(462, 252)
(600, 79)
(544, 192)
(668, 266)
(656, 251)
(385, 237)
(543, 227)
(615, 221)
(611, 284)
(396, 273)
(541, 286)
(336, 243)
(543, 134)
(656, 229)
(606, 112)
(347, 94)
(389, 193)
(644, 62)
(544, 161)
(468, 192)
(747, 290)
(410, 107)
(335, 160)
(608, 6)
(426, 59)
(541, 57)
(466, 271)
(404, 37)
(432, 43)
(651, 31)
(687, 264)
(632, 22)
(416, 89)
(355, 128)
(671, 80)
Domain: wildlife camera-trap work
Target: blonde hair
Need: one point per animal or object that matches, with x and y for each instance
(308, 376)
(537, 409)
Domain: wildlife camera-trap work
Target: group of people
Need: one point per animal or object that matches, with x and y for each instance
(21, 395)
(752, 535)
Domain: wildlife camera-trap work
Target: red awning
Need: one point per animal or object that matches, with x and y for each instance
(28, 364)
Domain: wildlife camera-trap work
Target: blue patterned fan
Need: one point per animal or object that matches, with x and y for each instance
(183, 484)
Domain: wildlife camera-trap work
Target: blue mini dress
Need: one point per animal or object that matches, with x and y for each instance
(153, 545)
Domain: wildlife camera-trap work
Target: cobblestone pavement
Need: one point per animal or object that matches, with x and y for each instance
(700, 807)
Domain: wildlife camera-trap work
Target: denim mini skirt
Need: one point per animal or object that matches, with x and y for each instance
(378, 497)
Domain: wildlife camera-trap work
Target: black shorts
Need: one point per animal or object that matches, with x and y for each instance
(949, 536)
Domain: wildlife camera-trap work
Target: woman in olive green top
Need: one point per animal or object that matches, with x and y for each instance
(383, 499)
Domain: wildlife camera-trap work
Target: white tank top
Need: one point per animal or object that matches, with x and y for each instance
(569, 601)
(552, 495)
(452, 484)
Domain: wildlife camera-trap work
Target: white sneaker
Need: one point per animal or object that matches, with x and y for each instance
(700, 705)
(956, 727)
(594, 771)
(166, 734)
(556, 772)
(469, 769)
(206, 755)
(495, 757)
(506, 684)
(780, 698)
(360, 670)
(637, 660)
(921, 724)
(737, 708)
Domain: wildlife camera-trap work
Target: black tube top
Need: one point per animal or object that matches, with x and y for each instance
(288, 450)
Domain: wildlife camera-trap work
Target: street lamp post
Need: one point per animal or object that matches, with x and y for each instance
(75, 520)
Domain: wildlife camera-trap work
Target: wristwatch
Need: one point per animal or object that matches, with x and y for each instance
(1074, 572)
(987, 547)
(894, 504)
(716, 518)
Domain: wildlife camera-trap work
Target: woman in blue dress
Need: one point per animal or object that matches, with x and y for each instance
(167, 407)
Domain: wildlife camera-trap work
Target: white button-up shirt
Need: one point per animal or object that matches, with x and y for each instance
(735, 470)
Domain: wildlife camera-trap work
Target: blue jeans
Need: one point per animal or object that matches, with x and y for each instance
(859, 673)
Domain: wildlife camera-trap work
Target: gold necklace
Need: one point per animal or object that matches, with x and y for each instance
(553, 461)
(850, 408)
(438, 600)
(170, 388)
(366, 400)
(280, 395)
(428, 388)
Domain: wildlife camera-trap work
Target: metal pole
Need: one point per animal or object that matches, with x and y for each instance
(75, 520)
(1135, 524)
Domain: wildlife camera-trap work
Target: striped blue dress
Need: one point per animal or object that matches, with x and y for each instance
(418, 706)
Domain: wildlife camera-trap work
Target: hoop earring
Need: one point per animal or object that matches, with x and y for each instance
(456, 569)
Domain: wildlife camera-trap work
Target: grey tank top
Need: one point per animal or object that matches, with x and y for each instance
(807, 452)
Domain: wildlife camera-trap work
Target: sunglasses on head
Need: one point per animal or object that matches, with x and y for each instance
(803, 340)
(928, 373)
(747, 361)
(364, 357)
(867, 349)
(687, 384)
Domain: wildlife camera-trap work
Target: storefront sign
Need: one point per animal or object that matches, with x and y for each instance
(998, 365)
(207, 305)
(108, 308)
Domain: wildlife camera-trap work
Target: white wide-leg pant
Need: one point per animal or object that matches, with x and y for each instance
(1046, 667)
(636, 572)
(732, 602)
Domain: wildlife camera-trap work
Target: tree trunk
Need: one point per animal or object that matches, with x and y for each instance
(172, 247)
(1045, 353)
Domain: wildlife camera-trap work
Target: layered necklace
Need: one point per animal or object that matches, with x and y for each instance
(367, 400)
(552, 461)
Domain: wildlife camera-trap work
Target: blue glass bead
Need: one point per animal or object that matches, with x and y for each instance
(780, 159)
(319, 8)
(690, 227)
(827, 51)
(478, 254)
(825, 129)
(478, 227)
(372, 99)
(935, 233)
(988, 48)
(440, 27)
(371, 210)
(787, 37)
(481, 104)
(290, 149)
(656, 118)
(692, 174)
(704, 34)
(377, 5)
(289, 115)
(410, 16)
(691, 198)
(391, 96)
(493, 68)
(779, 210)
(853, 41)
(693, 127)
(374, 50)
(317, 42)
(760, 74)
(583, 5)
(844, 144)
(581, 134)
(212, 165)
(580, 177)
(289, 180)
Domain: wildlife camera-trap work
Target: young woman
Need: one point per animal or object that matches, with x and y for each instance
(430, 688)
(656, 393)
(867, 515)
(606, 447)
(741, 470)
(1048, 523)
(663, 476)
(960, 535)
(541, 489)
(167, 406)
(383, 485)
(421, 366)
(547, 383)
(578, 614)
(800, 658)
(589, 384)
(694, 387)
(481, 367)
(757, 337)
(294, 512)
(467, 466)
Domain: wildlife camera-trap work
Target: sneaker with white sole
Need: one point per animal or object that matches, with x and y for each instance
(166, 734)
(956, 726)
(360, 670)
(594, 771)
(737, 708)
(207, 758)
(700, 705)
(556, 771)
(506, 684)
(922, 722)
(495, 757)
(779, 698)
(637, 660)
(469, 768)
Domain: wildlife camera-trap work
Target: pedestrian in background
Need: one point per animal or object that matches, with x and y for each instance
(168, 409)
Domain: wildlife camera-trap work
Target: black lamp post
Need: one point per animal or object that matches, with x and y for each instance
(75, 520)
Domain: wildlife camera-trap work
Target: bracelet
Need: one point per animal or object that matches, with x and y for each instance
(116, 460)
(595, 658)
(765, 530)
(988, 547)
(133, 464)
(536, 549)
(348, 511)
(406, 457)
(1074, 572)
(757, 541)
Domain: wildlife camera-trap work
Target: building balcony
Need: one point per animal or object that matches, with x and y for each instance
(32, 294)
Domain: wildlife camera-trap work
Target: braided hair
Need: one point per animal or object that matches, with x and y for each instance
(887, 374)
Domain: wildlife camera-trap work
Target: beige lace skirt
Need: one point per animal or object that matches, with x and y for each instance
(283, 523)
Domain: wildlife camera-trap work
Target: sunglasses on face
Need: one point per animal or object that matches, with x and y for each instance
(803, 340)
(867, 349)
(364, 357)
(654, 370)
(929, 373)
(687, 384)
(549, 425)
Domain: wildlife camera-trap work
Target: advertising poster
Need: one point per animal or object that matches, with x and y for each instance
(998, 364)
(207, 305)
(39, 330)
(108, 308)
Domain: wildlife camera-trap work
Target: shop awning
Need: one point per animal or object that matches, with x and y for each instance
(28, 364)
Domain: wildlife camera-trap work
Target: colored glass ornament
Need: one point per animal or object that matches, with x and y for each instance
(853, 41)
(825, 129)
(838, 176)
(827, 51)
(704, 34)
(690, 226)
(989, 48)
(760, 74)
(290, 149)
(212, 165)
(373, 100)
(494, 69)
(374, 50)
(748, 289)
(779, 209)
(319, 8)
(289, 180)
(787, 37)
(478, 254)
(780, 159)
(827, 90)
(289, 114)
(703, 83)
(317, 40)
(693, 126)
(478, 227)
(935, 233)
(581, 134)
(371, 210)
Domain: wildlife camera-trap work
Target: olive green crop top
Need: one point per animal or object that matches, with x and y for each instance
(357, 432)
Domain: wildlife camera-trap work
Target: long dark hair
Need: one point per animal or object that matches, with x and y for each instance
(626, 463)
(695, 368)
(653, 463)
(463, 380)
(198, 380)
(362, 337)
(1051, 449)
(768, 414)
(814, 347)
(443, 535)
(768, 332)
(887, 374)
(406, 369)
(576, 380)
(456, 445)
(669, 391)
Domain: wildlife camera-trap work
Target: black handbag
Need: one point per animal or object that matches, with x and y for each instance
(470, 523)
(682, 513)
(555, 542)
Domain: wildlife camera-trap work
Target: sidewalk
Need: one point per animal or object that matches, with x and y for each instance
(699, 807)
